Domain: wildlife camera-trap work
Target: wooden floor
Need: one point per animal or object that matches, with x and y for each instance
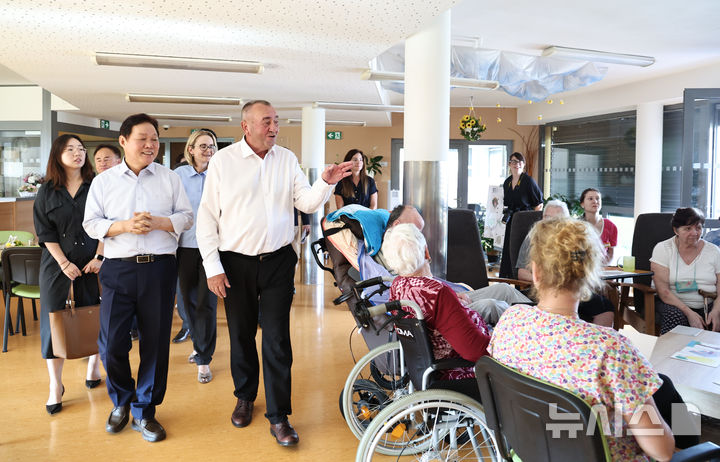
(196, 416)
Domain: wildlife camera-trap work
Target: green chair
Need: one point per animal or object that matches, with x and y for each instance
(23, 237)
(21, 278)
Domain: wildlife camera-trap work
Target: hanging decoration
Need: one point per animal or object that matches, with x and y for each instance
(471, 127)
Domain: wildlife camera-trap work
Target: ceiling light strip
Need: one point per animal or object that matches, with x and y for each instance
(177, 99)
(457, 82)
(358, 106)
(351, 123)
(176, 62)
(203, 118)
(598, 56)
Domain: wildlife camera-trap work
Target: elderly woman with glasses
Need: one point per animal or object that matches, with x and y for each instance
(682, 265)
(200, 302)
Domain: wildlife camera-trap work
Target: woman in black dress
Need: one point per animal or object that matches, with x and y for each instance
(520, 192)
(69, 254)
(358, 188)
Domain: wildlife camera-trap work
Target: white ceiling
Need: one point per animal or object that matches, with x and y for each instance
(316, 50)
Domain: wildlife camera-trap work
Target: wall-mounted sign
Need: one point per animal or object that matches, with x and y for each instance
(105, 124)
(334, 135)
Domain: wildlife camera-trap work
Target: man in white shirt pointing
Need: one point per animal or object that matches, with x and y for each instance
(244, 232)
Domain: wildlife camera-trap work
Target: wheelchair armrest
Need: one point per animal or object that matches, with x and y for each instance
(699, 452)
(515, 282)
(451, 363)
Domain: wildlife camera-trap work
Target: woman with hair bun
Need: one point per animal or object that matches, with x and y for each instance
(551, 343)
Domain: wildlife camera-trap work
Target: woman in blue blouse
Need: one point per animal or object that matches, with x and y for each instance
(357, 188)
(200, 303)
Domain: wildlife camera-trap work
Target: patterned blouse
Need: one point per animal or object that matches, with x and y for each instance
(597, 363)
(455, 331)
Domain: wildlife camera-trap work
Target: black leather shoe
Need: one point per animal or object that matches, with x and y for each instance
(181, 336)
(284, 433)
(57, 407)
(150, 428)
(242, 415)
(118, 419)
(92, 383)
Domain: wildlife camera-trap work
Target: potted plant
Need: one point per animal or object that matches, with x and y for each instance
(31, 184)
(374, 167)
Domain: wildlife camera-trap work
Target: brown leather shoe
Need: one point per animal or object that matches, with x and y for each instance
(284, 433)
(242, 415)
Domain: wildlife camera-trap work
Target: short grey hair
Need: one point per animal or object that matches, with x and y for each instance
(559, 204)
(404, 249)
(246, 108)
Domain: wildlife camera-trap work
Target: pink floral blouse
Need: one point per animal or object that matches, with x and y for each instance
(597, 363)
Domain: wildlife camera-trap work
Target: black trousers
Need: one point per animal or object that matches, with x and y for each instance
(145, 291)
(200, 303)
(261, 285)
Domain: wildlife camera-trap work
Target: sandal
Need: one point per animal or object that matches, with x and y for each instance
(192, 358)
(205, 377)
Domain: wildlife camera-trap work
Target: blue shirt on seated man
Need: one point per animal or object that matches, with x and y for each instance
(490, 302)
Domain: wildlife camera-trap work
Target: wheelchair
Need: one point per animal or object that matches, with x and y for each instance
(436, 423)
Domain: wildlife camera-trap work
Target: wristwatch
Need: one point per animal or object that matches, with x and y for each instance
(99, 257)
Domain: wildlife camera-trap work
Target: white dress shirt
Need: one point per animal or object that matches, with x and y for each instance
(116, 193)
(247, 204)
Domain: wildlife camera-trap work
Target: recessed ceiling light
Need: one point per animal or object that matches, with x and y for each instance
(202, 118)
(598, 56)
(176, 62)
(176, 99)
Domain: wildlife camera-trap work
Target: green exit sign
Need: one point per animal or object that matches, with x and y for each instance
(334, 135)
(105, 124)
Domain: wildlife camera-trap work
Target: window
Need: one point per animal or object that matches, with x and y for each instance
(596, 153)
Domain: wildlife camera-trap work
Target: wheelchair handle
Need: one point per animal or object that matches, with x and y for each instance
(372, 282)
(315, 248)
(364, 314)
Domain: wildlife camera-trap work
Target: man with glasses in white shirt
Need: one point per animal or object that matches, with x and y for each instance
(244, 232)
(138, 209)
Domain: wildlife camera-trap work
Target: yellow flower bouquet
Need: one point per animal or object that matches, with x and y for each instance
(471, 127)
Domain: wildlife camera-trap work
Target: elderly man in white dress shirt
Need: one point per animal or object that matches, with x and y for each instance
(138, 209)
(244, 232)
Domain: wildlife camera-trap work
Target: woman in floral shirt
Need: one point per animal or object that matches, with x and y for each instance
(550, 342)
(455, 330)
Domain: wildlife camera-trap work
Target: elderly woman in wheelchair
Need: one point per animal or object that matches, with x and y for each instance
(455, 330)
(550, 342)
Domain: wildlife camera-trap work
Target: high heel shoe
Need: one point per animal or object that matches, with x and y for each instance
(92, 383)
(57, 407)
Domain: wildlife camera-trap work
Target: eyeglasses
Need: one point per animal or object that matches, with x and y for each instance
(79, 149)
(515, 162)
(205, 147)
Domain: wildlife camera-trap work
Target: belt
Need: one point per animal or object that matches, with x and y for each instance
(264, 256)
(143, 258)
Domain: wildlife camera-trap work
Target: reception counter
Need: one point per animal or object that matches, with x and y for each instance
(16, 214)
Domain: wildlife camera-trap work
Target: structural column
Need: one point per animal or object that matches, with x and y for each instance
(427, 132)
(313, 162)
(648, 158)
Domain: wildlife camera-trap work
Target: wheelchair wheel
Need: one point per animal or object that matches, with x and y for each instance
(362, 397)
(430, 425)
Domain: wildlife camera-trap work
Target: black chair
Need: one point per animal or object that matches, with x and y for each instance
(517, 408)
(522, 223)
(465, 259)
(650, 228)
(21, 279)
